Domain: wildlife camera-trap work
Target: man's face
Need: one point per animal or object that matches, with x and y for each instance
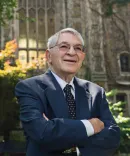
(66, 62)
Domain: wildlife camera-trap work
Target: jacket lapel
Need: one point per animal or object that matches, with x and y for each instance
(57, 101)
(83, 100)
(55, 95)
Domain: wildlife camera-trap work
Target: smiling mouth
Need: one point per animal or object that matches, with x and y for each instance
(71, 61)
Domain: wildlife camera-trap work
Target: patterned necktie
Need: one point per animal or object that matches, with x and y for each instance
(70, 101)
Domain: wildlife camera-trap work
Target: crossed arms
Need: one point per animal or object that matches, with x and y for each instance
(57, 133)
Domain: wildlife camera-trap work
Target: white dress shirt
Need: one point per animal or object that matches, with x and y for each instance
(87, 124)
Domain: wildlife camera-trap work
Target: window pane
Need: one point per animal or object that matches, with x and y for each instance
(23, 56)
(32, 29)
(32, 3)
(22, 29)
(41, 3)
(77, 9)
(124, 60)
(41, 29)
(121, 97)
(42, 59)
(6, 34)
(48, 3)
(52, 3)
(77, 26)
(22, 3)
(32, 56)
(51, 22)
(38, 3)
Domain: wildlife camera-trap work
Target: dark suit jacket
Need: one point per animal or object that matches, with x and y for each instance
(42, 94)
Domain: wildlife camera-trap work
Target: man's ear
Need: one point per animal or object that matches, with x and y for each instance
(48, 56)
(84, 54)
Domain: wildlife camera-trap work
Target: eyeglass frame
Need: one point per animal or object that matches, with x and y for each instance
(81, 51)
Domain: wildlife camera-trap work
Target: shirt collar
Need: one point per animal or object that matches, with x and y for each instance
(63, 83)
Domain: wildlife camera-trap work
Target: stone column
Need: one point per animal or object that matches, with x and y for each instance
(94, 34)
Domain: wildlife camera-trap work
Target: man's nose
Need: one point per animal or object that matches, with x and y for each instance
(71, 51)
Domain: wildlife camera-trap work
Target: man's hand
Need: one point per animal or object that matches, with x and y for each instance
(45, 117)
(97, 124)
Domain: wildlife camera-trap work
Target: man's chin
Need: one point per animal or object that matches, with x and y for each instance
(71, 72)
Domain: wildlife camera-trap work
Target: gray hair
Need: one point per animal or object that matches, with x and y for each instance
(52, 41)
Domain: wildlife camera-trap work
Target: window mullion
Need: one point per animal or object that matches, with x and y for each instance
(46, 25)
(27, 15)
(37, 27)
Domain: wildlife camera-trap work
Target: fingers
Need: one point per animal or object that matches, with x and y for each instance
(45, 117)
(97, 124)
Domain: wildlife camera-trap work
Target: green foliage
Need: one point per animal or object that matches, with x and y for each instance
(122, 121)
(9, 109)
(17, 136)
(108, 5)
(9, 76)
(7, 10)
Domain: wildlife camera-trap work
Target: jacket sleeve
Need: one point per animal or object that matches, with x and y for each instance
(109, 137)
(106, 142)
(55, 134)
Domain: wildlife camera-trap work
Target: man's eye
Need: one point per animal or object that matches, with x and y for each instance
(78, 48)
(64, 46)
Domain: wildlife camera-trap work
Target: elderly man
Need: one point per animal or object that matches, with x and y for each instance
(61, 114)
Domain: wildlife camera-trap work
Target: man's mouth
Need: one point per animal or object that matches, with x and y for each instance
(72, 61)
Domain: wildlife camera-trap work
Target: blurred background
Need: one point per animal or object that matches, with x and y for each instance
(25, 26)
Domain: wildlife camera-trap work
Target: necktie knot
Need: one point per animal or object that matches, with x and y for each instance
(67, 89)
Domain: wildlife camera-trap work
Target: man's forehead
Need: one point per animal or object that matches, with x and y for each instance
(67, 37)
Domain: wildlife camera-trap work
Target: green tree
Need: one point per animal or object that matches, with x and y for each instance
(7, 10)
(108, 5)
(10, 74)
(122, 121)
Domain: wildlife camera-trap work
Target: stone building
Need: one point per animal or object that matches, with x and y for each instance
(107, 39)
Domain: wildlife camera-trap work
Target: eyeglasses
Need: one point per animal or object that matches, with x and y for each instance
(65, 47)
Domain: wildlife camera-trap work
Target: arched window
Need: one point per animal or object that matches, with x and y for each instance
(36, 25)
(125, 62)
